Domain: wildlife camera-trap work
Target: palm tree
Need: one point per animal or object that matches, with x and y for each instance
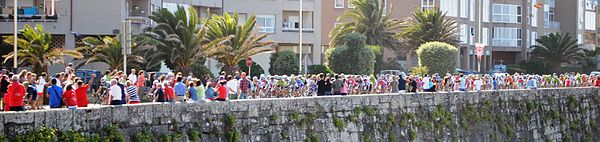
(179, 40)
(243, 40)
(369, 19)
(427, 26)
(35, 50)
(107, 50)
(556, 49)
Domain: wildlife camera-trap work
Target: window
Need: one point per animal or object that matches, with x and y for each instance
(533, 37)
(486, 10)
(339, 3)
(472, 7)
(472, 35)
(579, 38)
(591, 4)
(350, 5)
(266, 23)
(549, 15)
(534, 12)
(505, 13)
(581, 14)
(427, 4)
(506, 37)
(464, 8)
(590, 20)
(484, 36)
(450, 7)
(385, 10)
(463, 34)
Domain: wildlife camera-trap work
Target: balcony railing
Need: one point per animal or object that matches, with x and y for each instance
(47, 13)
(308, 30)
(552, 24)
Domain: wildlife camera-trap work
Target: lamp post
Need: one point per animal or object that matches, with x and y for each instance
(480, 47)
(15, 38)
(300, 44)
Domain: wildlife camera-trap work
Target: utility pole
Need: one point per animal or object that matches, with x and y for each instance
(15, 37)
(300, 44)
(126, 42)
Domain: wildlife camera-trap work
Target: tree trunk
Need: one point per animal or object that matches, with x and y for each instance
(231, 69)
(408, 61)
(556, 68)
(185, 70)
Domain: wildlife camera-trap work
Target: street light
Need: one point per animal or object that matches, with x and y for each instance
(300, 44)
(15, 36)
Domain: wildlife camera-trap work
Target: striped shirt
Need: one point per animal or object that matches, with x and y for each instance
(133, 96)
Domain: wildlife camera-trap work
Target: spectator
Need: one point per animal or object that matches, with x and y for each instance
(55, 94)
(232, 85)
(81, 92)
(200, 91)
(395, 84)
(140, 82)
(132, 93)
(402, 83)
(222, 91)
(15, 93)
(32, 95)
(244, 87)
(192, 91)
(115, 93)
(69, 97)
(337, 85)
(132, 77)
(159, 94)
(180, 89)
(169, 92)
(210, 91)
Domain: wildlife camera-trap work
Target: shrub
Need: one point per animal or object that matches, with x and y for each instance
(284, 63)
(339, 123)
(255, 71)
(437, 56)
(195, 136)
(317, 69)
(422, 70)
(354, 57)
(142, 137)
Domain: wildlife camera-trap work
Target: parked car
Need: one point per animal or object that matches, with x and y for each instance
(596, 73)
(86, 75)
(392, 72)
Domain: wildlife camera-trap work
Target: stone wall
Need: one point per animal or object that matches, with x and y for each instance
(519, 115)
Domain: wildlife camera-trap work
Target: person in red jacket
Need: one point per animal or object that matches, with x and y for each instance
(597, 83)
(81, 92)
(15, 93)
(169, 93)
(222, 90)
(69, 97)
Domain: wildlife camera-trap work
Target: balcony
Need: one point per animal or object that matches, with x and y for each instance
(291, 21)
(30, 10)
(552, 24)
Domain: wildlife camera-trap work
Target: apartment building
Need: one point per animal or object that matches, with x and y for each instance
(71, 20)
(508, 27)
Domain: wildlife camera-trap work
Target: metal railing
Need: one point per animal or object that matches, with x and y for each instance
(552, 24)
